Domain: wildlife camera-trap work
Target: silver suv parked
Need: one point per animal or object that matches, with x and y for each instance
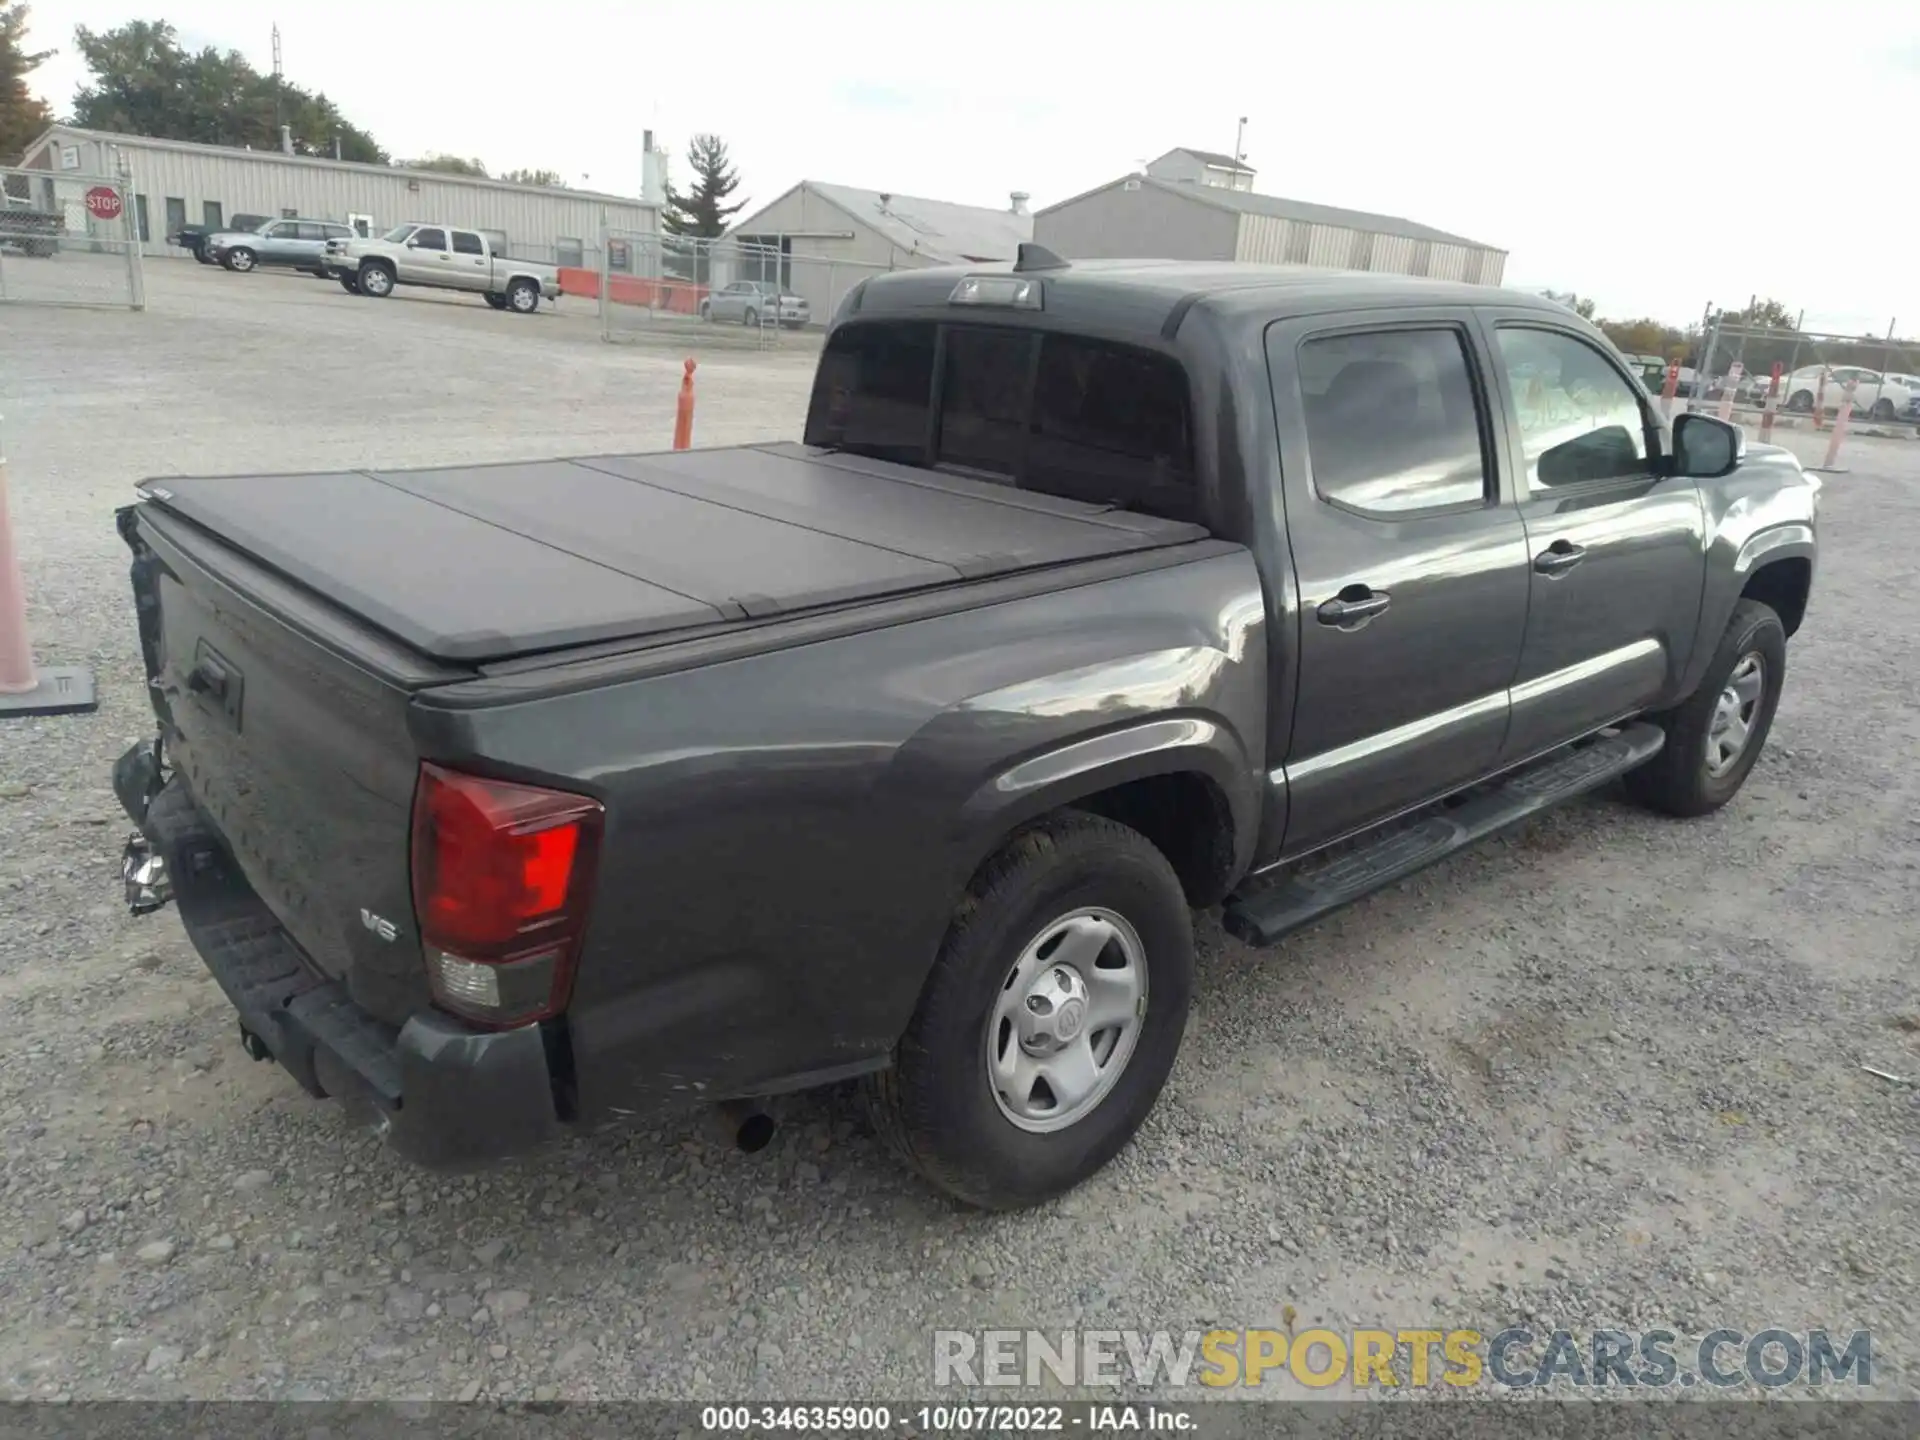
(297, 244)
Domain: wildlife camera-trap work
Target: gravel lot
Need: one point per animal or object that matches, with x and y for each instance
(1603, 1072)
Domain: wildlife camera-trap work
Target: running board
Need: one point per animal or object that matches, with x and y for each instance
(1265, 913)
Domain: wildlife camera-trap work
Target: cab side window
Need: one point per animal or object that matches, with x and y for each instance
(1392, 423)
(430, 239)
(1579, 419)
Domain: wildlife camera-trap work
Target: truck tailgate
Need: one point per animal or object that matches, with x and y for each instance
(484, 563)
(289, 726)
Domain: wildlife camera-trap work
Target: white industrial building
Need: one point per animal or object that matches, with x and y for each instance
(827, 237)
(178, 182)
(1197, 205)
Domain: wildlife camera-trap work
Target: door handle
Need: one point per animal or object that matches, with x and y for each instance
(1353, 607)
(1559, 557)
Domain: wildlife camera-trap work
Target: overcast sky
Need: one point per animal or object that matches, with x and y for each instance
(1653, 156)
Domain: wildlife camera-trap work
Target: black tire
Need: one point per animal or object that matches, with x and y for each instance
(706, 311)
(1677, 781)
(750, 318)
(936, 1106)
(204, 258)
(496, 300)
(523, 296)
(1801, 401)
(1882, 409)
(375, 279)
(239, 259)
(349, 283)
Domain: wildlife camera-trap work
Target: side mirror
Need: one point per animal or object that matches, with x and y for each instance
(1706, 447)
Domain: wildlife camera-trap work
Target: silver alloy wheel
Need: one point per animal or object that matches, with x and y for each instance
(243, 260)
(376, 282)
(1067, 1020)
(523, 298)
(1735, 712)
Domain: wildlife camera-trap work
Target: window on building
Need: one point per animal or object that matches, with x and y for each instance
(212, 215)
(176, 215)
(569, 251)
(1579, 418)
(429, 239)
(1392, 422)
(620, 257)
(466, 242)
(140, 219)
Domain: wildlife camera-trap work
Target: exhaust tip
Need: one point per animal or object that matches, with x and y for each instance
(754, 1132)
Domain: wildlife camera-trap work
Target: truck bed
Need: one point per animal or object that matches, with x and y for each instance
(481, 564)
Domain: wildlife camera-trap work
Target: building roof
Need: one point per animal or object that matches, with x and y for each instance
(1246, 202)
(237, 152)
(1209, 157)
(949, 233)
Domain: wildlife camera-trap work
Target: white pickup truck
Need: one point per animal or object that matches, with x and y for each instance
(442, 258)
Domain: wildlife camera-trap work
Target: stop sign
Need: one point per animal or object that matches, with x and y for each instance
(103, 202)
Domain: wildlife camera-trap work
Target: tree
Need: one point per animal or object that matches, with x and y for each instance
(702, 212)
(1581, 307)
(1768, 314)
(535, 177)
(142, 82)
(22, 117)
(450, 165)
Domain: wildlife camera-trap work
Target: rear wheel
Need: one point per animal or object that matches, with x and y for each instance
(1050, 1020)
(1801, 401)
(1715, 735)
(1882, 409)
(240, 259)
(376, 280)
(706, 310)
(523, 297)
(750, 317)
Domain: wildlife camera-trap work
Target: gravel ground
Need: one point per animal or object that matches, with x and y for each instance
(1605, 1071)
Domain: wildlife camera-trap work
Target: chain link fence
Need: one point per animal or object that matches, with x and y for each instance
(653, 286)
(1778, 371)
(70, 239)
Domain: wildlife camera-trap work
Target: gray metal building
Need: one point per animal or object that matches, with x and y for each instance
(1194, 205)
(827, 237)
(177, 182)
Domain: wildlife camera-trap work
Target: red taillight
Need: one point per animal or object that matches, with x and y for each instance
(501, 878)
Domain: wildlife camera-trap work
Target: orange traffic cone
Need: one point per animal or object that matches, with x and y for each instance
(23, 691)
(683, 412)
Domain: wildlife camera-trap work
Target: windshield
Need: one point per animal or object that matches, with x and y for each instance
(397, 234)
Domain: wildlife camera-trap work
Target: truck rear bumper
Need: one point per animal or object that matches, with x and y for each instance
(443, 1094)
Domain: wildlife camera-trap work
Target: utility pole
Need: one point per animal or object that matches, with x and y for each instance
(279, 118)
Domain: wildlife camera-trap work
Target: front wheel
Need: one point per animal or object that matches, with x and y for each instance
(1801, 402)
(1050, 1020)
(1714, 736)
(496, 300)
(241, 260)
(349, 283)
(1882, 409)
(750, 318)
(376, 280)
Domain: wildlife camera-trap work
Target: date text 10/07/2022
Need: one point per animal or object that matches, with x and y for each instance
(1094, 1418)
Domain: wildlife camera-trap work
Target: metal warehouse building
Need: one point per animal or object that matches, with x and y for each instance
(1196, 205)
(176, 182)
(827, 238)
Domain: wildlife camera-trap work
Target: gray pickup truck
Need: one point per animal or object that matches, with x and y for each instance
(508, 800)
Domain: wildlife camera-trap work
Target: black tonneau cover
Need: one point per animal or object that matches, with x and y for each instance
(486, 562)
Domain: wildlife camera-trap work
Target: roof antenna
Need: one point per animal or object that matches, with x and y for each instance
(1036, 257)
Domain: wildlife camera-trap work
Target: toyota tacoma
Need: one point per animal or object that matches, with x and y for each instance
(505, 800)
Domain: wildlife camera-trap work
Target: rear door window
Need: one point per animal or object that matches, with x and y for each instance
(465, 242)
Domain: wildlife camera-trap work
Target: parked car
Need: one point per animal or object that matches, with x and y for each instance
(194, 238)
(756, 302)
(29, 229)
(1910, 384)
(440, 257)
(295, 244)
(1875, 396)
(506, 800)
